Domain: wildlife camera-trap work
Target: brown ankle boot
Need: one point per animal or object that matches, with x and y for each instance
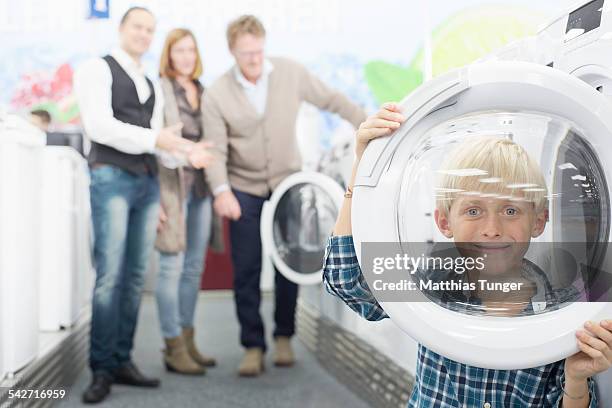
(283, 354)
(252, 363)
(177, 359)
(201, 359)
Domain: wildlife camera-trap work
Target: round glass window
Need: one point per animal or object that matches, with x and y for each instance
(504, 214)
(303, 220)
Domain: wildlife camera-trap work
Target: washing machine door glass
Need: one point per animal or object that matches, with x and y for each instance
(584, 213)
(507, 212)
(303, 220)
(303, 212)
(481, 225)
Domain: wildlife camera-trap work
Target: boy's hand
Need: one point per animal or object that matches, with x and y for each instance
(595, 355)
(382, 123)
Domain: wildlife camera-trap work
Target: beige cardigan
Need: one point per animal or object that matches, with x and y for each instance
(172, 238)
(255, 153)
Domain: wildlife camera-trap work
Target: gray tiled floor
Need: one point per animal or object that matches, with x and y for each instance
(304, 385)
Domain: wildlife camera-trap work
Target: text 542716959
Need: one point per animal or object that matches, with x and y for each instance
(35, 394)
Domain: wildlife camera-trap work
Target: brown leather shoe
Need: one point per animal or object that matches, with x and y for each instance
(252, 363)
(283, 354)
(177, 358)
(201, 359)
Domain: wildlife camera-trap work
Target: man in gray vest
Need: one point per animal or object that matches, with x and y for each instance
(250, 114)
(122, 115)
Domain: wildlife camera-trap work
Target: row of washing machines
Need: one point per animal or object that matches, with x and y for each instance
(46, 272)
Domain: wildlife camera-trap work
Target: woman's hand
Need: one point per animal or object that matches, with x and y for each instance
(595, 355)
(161, 219)
(383, 123)
(200, 155)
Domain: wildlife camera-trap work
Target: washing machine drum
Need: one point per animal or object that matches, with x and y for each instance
(296, 223)
(482, 224)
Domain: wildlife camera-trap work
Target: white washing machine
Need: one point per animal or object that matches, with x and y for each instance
(295, 225)
(21, 146)
(86, 273)
(66, 266)
(296, 222)
(566, 126)
(301, 213)
(579, 42)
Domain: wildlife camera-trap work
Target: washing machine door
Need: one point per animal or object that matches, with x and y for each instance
(400, 206)
(296, 222)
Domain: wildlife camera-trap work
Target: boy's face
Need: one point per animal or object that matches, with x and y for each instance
(501, 229)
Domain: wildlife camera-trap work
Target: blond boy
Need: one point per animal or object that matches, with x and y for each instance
(475, 218)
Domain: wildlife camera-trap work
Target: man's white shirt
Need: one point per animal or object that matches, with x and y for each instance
(92, 85)
(256, 93)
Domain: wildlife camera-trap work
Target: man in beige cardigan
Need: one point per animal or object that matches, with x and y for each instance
(250, 114)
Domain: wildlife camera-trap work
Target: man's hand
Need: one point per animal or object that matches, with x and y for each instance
(226, 205)
(200, 156)
(162, 219)
(595, 355)
(170, 140)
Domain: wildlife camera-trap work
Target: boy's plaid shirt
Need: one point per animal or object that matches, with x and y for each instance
(442, 382)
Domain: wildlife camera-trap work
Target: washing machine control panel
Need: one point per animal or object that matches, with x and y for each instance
(584, 19)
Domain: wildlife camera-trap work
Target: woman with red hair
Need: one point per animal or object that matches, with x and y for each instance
(185, 221)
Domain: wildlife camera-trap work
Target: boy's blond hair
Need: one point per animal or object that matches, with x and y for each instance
(246, 24)
(490, 166)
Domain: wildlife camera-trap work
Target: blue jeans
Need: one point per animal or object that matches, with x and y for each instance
(125, 208)
(178, 282)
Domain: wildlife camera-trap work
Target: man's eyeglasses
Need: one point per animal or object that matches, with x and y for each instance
(248, 54)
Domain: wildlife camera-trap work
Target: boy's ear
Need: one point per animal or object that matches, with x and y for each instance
(540, 223)
(441, 219)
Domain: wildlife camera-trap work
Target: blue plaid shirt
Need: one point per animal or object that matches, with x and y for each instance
(440, 381)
